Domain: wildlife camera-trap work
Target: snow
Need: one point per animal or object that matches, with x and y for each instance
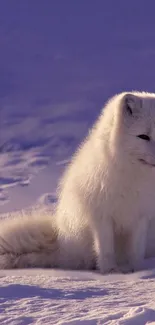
(69, 297)
(60, 62)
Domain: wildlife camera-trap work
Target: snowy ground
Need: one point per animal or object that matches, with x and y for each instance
(60, 297)
(59, 62)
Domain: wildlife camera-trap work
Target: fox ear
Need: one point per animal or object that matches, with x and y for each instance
(131, 104)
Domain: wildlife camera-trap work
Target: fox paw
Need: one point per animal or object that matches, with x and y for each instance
(106, 268)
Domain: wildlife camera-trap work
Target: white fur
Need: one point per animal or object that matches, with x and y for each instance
(106, 198)
(107, 194)
(29, 241)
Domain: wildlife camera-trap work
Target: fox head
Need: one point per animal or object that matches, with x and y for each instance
(134, 124)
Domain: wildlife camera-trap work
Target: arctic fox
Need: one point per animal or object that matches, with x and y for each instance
(106, 198)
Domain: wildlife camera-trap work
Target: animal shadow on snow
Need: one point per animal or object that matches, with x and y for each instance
(18, 291)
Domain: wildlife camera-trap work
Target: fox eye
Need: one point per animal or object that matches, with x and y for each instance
(144, 137)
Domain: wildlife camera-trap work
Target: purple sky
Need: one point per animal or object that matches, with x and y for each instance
(68, 50)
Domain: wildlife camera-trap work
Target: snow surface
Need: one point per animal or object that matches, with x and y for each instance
(68, 297)
(59, 62)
